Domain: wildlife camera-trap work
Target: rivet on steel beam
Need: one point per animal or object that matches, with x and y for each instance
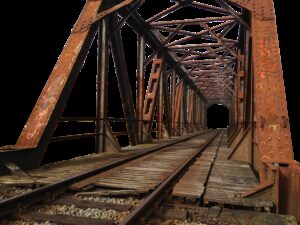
(284, 122)
(262, 122)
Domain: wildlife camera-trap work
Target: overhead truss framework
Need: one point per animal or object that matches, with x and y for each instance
(201, 48)
(226, 52)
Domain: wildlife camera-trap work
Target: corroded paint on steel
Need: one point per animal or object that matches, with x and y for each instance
(49, 103)
(213, 79)
(271, 115)
(152, 92)
(272, 122)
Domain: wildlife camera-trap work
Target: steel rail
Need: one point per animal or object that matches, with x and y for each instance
(161, 191)
(12, 204)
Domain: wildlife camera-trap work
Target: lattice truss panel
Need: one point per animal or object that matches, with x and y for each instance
(203, 43)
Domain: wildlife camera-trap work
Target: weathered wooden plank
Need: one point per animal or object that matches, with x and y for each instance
(91, 204)
(114, 185)
(191, 185)
(143, 168)
(228, 180)
(109, 193)
(188, 193)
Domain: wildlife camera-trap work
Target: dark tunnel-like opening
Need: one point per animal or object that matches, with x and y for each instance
(217, 116)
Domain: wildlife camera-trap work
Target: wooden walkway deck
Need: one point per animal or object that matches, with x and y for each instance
(215, 181)
(61, 170)
(228, 180)
(192, 184)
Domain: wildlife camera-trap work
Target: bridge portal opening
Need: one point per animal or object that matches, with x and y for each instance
(217, 116)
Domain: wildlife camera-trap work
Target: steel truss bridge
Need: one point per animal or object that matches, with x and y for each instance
(227, 53)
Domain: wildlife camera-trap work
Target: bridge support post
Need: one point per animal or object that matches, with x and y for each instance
(105, 140)
(123, 79)
(101, 85)
(173, 102)
(140, 89)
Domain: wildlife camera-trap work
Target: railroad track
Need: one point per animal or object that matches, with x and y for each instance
(129, 191)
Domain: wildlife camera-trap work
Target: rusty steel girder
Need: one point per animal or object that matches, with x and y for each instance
(196, 63)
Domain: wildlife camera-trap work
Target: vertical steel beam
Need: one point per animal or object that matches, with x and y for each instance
(270, 108)
(172, 97)
(101, 85)
(123, 79)
(236, 102)
(140, 86)
(199, 113)
(152, 92)
(194, 125)
(205, 115)
(177, 112)
(167, 104)
(195, 113)
(240, 91)
(191, 111)
(160, 110)
(184, 110)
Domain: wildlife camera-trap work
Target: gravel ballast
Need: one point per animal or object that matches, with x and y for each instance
(123, 201)
(72, 210)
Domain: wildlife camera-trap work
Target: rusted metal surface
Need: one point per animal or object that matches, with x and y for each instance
(50, 104)
(273, 133)
(272, 123)
(123, 79)
(82, 26)
(152, 92)
(140, 88)
(138, 24)
(195, 63)
(292, 191)
(177, 107)
(101, 85)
